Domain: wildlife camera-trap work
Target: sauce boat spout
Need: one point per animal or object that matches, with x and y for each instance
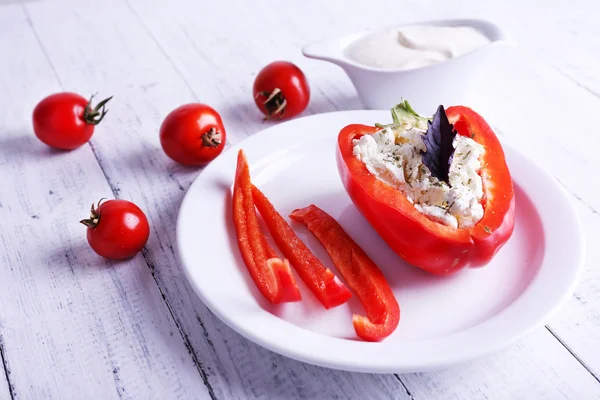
(329, 50)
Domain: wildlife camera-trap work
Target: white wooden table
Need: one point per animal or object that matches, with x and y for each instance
(74, 326)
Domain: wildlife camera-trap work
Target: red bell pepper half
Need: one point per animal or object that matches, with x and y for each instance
(362, 275)
(272, 275)
(330, 291)
(427, 244)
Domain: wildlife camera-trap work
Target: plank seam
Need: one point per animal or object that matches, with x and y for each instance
(184, 336)
(11, 389)
(160, 48)
(579, 84)
(577, 197)
(39, 42)
(410, 395)
(579, 360)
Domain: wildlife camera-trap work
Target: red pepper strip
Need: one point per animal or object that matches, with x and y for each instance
(330, 291)
(291, 292)
(362, 275)
(273, 279)
(289, 287)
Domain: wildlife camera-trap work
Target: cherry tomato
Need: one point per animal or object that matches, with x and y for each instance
(67, 120)
(193, 134)
(281, 90)
(117, 229)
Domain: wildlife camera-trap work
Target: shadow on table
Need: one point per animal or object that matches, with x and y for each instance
(9, 2)
(243, 118)
(23, 144)
(152, 161)
(340, 102)
(78, 255)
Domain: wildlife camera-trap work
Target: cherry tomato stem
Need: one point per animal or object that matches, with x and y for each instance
(274, 102)
(93, 116)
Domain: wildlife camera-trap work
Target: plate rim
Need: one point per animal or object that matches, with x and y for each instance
(578, 250)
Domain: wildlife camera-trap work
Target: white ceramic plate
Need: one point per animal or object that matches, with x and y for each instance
(444, 320)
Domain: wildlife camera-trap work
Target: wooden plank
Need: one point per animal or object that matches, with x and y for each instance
(146, 86)
(550, 124)
(6, 390)
(523, 372)
(231, 360)
(72, 325)
(231, 65)
(186, 45)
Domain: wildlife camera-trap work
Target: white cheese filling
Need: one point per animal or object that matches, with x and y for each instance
(393, 156)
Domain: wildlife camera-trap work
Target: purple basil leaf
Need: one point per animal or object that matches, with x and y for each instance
(438, 142)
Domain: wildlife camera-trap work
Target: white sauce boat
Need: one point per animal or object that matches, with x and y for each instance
(448, 82)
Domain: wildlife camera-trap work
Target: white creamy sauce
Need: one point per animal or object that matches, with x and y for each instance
(414, 46)
(393, 156)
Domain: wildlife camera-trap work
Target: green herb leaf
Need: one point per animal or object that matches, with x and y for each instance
(438, 143)
(403, 112)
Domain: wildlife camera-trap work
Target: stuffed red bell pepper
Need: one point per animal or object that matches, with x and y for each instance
(437, 190)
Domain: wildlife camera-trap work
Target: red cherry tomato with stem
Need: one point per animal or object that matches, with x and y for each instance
(117, 229)
(66, 120)
(193, 134)
(281, 90)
